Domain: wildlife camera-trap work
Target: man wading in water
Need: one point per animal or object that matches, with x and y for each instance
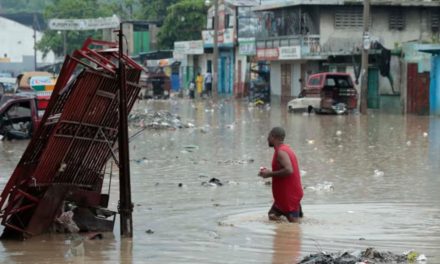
(286, 180)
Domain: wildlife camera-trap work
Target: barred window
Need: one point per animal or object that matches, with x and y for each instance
(435, 20)
(396, 19)
(349, 17)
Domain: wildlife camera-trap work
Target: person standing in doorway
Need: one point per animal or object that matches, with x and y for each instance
(199, 84)
(208, 83)
(286, 179)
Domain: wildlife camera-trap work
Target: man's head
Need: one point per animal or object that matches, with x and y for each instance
(276, 136)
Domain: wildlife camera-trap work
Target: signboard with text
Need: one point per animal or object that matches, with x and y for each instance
(188, 47)
(280, 53)
(84, 24)
(225, 37)
(247, 46)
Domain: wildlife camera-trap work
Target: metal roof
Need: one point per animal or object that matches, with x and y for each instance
(288, 3)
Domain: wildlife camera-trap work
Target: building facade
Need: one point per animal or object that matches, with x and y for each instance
(17, 51)
(301, 37)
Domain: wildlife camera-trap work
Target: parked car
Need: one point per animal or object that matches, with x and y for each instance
(20, 114)
(327, 92)
(7, 85)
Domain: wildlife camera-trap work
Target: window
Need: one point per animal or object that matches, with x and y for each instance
(210, 24)
(227, 21)
(315, 81)
(396, 20)
(349, 17)
(435, 20)
(19, 110)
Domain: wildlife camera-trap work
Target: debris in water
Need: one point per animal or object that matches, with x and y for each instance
(95, 236)
(213, 182)
(408, 143)
(149, 231)
(325, 186)
(191, 147)
(205, 129)
(378, 173)
(425, 134)
(157, 120)
(370, 255)
(236, 162)
(338, 133)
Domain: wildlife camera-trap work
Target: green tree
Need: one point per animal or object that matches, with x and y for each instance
(154, 10)
(185, 20)
(23, 6)
(68, 9)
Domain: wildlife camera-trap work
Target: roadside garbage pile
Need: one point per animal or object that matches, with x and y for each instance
(370, 256)
(157, 120)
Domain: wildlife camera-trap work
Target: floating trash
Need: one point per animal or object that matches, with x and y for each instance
(310, 141)
(378, 173)
(157, 120)
(325, 186)
(338, 133)
(425, 134)
(370, 255)
(213, 182)
(236, 162)
(408, 143)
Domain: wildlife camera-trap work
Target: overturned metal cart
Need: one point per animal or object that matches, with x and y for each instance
(64, 163)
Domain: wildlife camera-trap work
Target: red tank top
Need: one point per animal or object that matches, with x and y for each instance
(287, 190)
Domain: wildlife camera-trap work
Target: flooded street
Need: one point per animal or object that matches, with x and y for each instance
(370, 181)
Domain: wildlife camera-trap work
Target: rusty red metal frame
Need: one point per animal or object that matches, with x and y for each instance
(75, 139)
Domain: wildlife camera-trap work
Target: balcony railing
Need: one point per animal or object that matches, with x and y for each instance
(310, 45)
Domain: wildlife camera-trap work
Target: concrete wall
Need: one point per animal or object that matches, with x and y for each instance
(275, 78)
(336, 39)
(296, 75)
(17, 42)
(15, 68)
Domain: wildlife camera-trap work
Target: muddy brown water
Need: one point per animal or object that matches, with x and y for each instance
(370, 181)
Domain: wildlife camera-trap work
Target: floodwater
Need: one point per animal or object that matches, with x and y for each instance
(370, 181)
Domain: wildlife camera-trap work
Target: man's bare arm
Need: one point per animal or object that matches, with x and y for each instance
(286, 167)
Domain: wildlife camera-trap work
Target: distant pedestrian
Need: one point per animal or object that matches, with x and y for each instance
(208, 83)
(286, 180)
(199, 84)
(192, 88)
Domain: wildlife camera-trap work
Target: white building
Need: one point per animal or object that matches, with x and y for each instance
(17, 42)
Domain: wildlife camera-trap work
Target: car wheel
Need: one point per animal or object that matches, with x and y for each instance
(290, 109)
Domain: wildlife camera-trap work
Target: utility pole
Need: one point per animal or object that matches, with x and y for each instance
(215, 54)
(365, 48)
(65, 43)
(125, 206)
(34, 25)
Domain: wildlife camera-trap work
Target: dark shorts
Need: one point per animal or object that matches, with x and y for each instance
(291, 216)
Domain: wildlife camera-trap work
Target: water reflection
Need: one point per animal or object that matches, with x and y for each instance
(286, 243)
